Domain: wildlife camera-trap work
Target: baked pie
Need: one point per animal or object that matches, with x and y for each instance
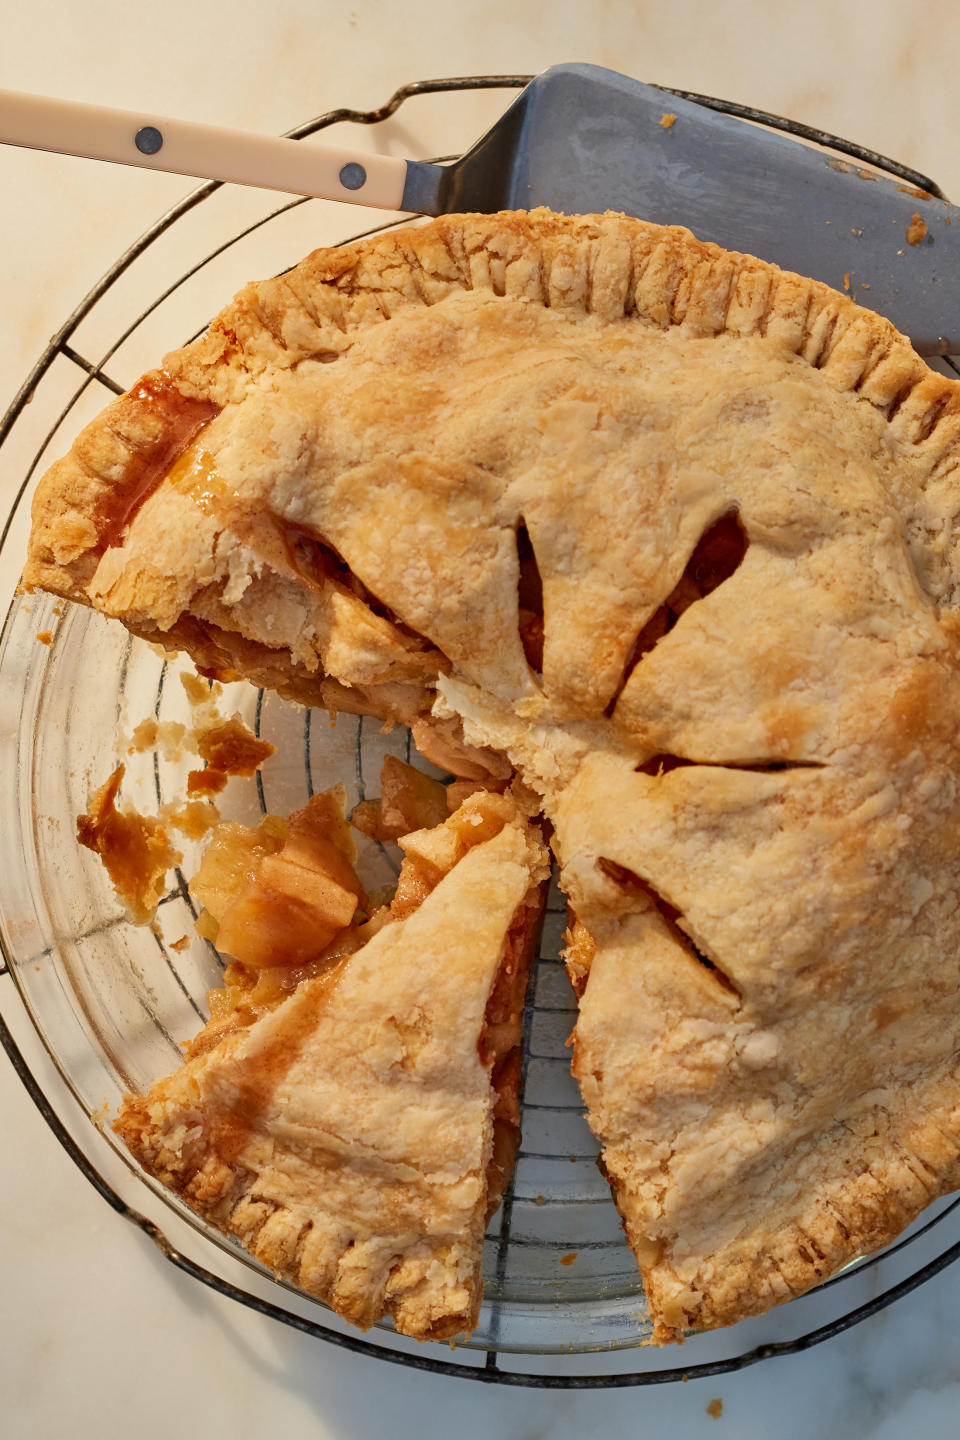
(350, 1111)
(673, 535)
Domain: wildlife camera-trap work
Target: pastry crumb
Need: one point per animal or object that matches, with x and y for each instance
(134, 848)
(192, 818)
(715, 1409)
(917, 229)
(168, 736)
(227, 747)
(45, 637)
(667, 120)
(569, 1259)
(231, 746)
(540, 1200)
(180, 945)
(206, 782)
(846, 281)
(199, 692)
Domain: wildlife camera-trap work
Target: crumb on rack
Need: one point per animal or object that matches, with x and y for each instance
(667, 120)
(45, 637)
(715, 1409)
(569, 1259)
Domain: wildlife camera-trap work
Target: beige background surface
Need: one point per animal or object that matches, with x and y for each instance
(99, 1336)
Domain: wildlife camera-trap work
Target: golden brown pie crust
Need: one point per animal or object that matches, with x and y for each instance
(750, 768)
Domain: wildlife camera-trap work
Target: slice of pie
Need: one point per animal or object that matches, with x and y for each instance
(356, 1132)
(675, 534)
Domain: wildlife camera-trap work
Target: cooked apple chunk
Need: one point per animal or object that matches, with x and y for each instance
(280, 894)
(409, 800)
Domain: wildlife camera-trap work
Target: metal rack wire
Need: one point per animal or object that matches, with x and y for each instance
(503, 1237)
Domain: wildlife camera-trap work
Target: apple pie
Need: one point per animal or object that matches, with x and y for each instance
(673, 535)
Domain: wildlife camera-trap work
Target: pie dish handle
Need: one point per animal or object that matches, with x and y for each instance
(208, 152)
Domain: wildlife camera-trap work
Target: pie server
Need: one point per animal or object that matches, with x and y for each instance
(581, 139)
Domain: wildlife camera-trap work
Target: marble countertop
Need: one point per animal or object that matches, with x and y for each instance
(101, 1337)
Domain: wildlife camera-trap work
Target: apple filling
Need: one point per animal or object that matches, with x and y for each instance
(284, 901)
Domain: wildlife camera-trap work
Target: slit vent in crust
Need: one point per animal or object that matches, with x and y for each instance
(634, 884)
(529, 601)
(717, 555)
(659, 765)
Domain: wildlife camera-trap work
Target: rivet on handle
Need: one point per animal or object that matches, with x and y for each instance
(148, 140)
(353, 176)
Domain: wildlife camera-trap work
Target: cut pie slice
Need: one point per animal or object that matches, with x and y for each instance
(675, 535)
(356, 1134)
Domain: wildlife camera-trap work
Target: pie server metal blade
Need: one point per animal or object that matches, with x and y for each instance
(578, 139)
(581, 139)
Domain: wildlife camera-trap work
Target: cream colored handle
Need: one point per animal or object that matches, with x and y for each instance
(208, 152)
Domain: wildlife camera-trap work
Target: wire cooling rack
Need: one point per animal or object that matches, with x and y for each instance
(533, 1231)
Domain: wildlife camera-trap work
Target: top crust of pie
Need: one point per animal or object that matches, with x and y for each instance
(438, 375)
(756, 809)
